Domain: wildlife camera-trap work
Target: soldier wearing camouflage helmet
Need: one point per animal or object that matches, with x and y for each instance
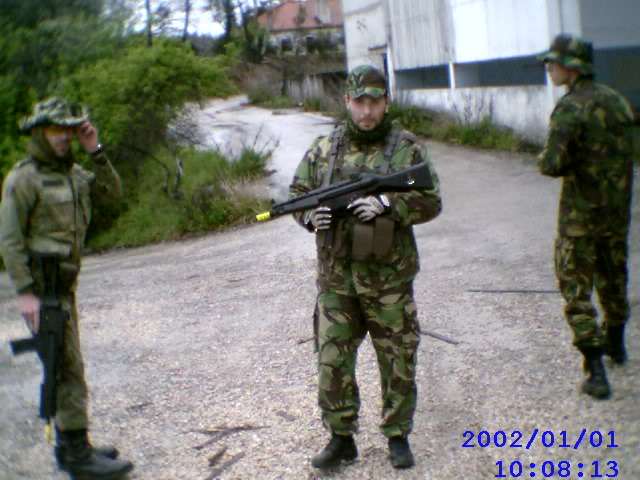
(367, 261)
(46, 209)
(589, 146)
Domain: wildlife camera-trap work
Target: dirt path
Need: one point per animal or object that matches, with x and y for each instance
(196, 371)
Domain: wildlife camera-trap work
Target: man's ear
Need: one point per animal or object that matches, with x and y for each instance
(346, 100)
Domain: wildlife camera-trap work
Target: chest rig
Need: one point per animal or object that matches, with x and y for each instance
(348, 237)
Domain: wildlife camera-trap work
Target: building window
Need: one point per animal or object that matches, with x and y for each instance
(427, 77)
(620, 68)
(527, 70)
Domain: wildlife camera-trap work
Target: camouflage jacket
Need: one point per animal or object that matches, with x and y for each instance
(337, 269)
(590, 146)
(47, 210)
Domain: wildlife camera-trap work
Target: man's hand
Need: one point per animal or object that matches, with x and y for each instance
(29, 306)
(367, 208)
(319, 218)
(87, 136)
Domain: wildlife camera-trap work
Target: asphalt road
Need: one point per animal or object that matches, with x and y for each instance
(196, 370)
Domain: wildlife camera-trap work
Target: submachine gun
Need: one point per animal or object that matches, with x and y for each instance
(338, 195)
(48, 342)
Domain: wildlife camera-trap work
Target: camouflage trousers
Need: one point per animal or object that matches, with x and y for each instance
(582, 263)
(390, 317)
(71, 402)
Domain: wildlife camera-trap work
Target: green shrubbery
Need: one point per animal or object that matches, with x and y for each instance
(483, 134)
(412, 118)
(439, 126)
(314, 104)
(211, 197)
(265, 97)
(135, 97)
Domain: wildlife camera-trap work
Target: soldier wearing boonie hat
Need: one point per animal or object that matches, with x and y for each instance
(570, 52)
(367, 260)
(54, 111)
(46, 209)
(590, 146)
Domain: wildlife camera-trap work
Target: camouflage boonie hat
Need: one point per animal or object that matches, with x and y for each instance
(55, 111)
(570, 52)
(366, 80)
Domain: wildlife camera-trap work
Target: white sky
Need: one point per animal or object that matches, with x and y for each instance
(200, 20)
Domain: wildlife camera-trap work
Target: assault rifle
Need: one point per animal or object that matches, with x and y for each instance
(49, 340)
(338, 195)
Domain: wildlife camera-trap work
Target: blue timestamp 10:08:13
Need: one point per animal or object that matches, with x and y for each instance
(562, 469)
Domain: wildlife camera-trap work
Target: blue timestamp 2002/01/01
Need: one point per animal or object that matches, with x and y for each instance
(562, 469)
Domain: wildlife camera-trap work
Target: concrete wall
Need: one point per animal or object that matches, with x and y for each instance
(516, 107)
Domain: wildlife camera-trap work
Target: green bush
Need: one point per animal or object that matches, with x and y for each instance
(260, 96)
(439, 126)
(483, 134)
(135, 97)
(414, 119)
(266, 98)
(313, 104)
(249, 165)
(211, 198)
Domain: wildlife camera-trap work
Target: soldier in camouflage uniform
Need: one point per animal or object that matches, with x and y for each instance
(46, 208)
(367, 260)
(589, 145)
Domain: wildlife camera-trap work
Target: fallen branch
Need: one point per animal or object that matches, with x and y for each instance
(217, 471)
(213, 459)
(439, 336)
(479, 290)
(221, 432)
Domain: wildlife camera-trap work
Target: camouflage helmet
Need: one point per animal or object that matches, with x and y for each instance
(366, 80)
(55, 111)
(570, 52)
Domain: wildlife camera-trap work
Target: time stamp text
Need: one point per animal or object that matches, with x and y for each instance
(516, 439)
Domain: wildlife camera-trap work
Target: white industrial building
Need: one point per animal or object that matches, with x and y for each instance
(478, 57)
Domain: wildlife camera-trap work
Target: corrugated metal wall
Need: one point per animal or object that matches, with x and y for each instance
(422, 33)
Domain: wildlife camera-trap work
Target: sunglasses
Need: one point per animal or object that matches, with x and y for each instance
(60, 129)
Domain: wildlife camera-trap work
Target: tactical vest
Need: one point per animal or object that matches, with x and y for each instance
(59, 219)
(350, 238)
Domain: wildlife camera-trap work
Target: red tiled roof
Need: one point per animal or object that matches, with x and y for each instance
(283, 16)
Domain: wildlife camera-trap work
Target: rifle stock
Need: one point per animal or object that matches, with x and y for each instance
(339, 195)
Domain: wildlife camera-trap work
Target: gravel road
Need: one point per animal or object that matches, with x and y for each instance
(196, 368)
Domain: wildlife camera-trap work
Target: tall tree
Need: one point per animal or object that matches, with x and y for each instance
(187, 13)
(147, 6)
(224, 12)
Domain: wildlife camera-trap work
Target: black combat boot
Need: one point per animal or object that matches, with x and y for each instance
(83, 462)
(596, 384)
(108, 451)
(401, 456)
(615, 344)
(339, 448)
